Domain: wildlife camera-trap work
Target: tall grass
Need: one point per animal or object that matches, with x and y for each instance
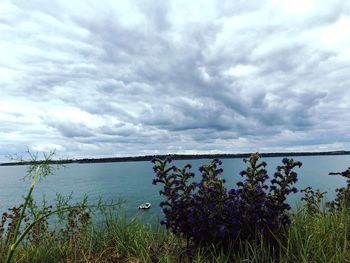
(311, 238)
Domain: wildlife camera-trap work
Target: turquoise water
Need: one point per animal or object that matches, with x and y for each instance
(131, 181)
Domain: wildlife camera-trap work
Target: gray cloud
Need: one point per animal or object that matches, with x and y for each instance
(145, 77)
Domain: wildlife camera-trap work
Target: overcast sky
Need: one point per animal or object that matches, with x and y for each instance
(120, 78)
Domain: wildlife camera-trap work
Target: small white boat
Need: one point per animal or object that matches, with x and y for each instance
(145, 206)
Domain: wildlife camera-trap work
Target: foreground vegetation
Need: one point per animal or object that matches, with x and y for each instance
(252, 223)
(311, 238)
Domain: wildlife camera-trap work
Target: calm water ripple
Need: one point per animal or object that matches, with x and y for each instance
(131, 181)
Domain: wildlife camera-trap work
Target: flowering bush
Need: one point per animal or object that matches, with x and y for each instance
(206, 211)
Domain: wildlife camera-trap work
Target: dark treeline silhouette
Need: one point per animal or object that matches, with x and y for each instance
(179, 157)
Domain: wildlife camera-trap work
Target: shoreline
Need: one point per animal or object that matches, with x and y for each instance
(179, 157)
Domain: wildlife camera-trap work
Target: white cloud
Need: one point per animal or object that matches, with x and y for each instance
(241, 71)
(124, 78)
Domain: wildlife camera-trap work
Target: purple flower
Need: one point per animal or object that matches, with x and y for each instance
(232, 191)
(211, 206)
(222, 229)
(258, 189)
(286, 206)
(174, 195)
(286, 220)
(235, 221)
(195, 229)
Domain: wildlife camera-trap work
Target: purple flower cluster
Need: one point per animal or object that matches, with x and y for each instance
(206, 211)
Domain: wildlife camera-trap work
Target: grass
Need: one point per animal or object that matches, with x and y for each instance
(311, 238)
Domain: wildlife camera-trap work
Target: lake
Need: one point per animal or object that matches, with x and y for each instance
(131, 181)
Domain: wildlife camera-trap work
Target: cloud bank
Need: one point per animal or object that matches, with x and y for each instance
(120, 78)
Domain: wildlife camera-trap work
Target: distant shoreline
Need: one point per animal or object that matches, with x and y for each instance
(181, 157)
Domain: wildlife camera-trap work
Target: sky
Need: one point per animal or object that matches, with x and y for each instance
(128, 78)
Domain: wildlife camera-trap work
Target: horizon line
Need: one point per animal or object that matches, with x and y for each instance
(178, 156)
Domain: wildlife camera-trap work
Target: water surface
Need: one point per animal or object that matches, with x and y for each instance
(131, 181)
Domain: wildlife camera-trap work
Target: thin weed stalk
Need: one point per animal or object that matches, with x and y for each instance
(16, 241)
